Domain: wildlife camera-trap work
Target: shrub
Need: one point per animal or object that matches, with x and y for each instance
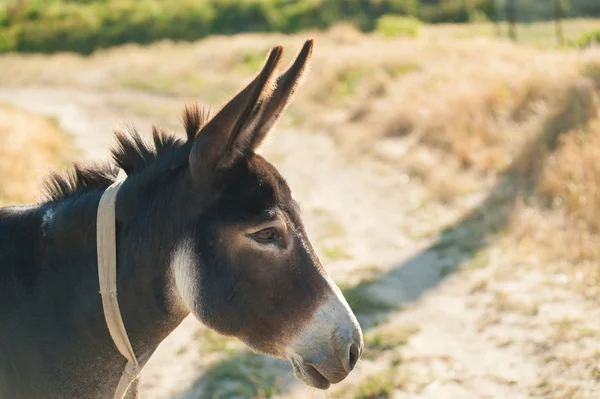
(7, 40)
(456, 10)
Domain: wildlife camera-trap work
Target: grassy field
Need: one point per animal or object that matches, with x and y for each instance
(499, 141)
(29, 144)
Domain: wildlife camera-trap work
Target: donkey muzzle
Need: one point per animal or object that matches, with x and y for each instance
(328, 347)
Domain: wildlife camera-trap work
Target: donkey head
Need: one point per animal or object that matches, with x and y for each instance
(246, 267)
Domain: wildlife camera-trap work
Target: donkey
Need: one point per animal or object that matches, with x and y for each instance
(203, 225)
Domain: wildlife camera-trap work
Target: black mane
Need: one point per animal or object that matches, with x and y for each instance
(132, 153)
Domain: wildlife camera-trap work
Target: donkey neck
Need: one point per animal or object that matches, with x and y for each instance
(148, 303)
(146, 237)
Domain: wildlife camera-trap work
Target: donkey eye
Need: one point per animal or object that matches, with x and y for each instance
(266, 235)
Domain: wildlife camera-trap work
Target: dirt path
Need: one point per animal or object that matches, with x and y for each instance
(481, 332)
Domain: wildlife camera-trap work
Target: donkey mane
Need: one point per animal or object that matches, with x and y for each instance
(132, 153)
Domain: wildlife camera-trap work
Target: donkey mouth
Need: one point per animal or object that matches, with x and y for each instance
(310, 376)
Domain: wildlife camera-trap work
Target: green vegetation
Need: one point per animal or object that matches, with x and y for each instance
(364, 302)
(85, 25)
(243, 375)
(390, 337)
(215, 342)
(588, 39)
(336, 252)
(378, 386)
(396, 25)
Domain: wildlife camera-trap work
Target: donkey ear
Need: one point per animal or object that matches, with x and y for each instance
(218, 142)
(285, 88)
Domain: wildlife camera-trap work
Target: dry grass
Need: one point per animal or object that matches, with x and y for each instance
(474, 98)
(561, 228)
(562, 224)
(28, 145)
(478, 99)
(572, 178)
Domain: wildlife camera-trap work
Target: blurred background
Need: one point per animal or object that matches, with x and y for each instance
(446, 154)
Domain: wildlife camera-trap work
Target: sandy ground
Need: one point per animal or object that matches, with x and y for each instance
(488, 323)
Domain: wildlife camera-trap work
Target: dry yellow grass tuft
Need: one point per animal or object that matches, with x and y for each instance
(29, 143)
(572, 177)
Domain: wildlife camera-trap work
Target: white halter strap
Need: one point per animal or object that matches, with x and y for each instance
(107, 275)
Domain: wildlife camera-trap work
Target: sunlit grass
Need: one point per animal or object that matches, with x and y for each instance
(29, 145)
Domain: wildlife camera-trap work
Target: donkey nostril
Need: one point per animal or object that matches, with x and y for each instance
(354, 355)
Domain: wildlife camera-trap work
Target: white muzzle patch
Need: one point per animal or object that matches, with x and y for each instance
(332, 323)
